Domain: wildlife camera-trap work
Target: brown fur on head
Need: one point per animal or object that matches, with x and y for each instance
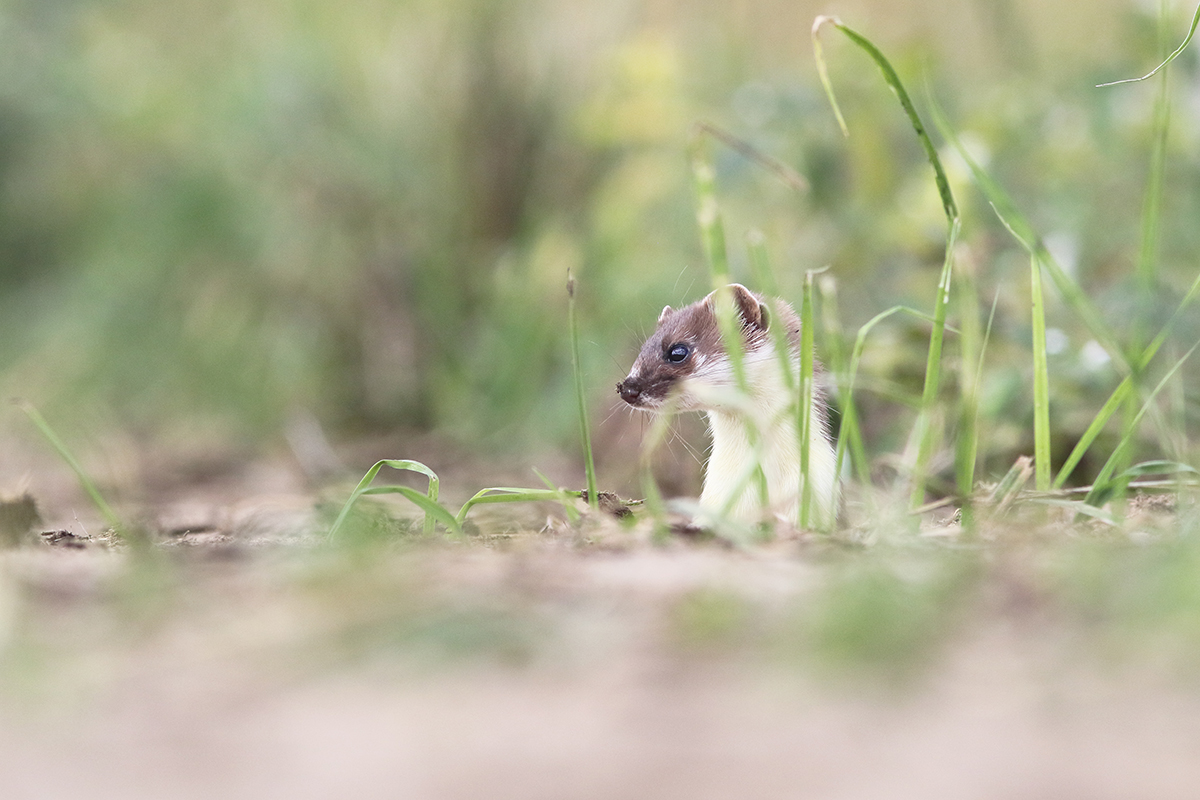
(687, 345)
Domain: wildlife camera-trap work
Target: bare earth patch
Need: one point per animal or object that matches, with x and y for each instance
(239, 657)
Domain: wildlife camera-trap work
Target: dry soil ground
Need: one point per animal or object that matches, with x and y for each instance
(239, 657)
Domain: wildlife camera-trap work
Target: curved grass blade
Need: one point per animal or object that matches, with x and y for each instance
(1160, 467)
(924, 431)
(510, 494)
(1187, 40)
(893, 82)
(365, 483)
(433, 510)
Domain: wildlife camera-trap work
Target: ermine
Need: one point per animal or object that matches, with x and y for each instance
(685, 360)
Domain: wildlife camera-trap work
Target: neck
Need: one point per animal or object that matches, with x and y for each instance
(760, 450)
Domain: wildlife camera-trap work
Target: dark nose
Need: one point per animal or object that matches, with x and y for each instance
(630, 391)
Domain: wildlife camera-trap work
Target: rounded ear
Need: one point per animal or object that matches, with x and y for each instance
(666, 310)
(754, 314)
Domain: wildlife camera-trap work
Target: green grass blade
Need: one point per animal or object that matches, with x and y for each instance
(1041, 381)
(1115, 400)
(1102, 483)
(849, 436)
(966, 449)
(89, 486)
(894, 83)
(712, 232)
(510, 494)
(1124, 388)
(1011, 217)
(570, 510)
(1187, 40)
(434, 511)
(924, 432)
(584, 430)
(1160, 467)
(364, 484)
(650, 444)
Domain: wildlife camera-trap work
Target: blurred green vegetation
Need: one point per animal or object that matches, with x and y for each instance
(214, 214)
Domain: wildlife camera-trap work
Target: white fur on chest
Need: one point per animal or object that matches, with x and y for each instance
(763, 434)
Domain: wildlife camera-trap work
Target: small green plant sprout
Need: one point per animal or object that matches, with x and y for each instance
(435, 512)
(427, 502)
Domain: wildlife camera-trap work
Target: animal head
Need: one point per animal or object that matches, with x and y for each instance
(685, 352)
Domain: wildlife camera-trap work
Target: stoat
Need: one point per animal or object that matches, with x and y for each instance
(685, 360)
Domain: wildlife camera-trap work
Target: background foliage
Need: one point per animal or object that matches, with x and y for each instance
(215, 215)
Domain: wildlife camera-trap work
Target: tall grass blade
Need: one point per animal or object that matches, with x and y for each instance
(1147, 266)
(1041, 381)
(708, 214)
(1011, 217)
(712, 233)
(924, 432)
(89, 486)
(655, 504)
(894, 83)
(1175, 54)
(966, 451)
(584, 430)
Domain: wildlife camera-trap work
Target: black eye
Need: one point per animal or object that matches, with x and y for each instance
(678, 353)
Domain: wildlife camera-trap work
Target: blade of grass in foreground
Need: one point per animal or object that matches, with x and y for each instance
(712, 233)
(924, 431)
(584, 432)
(110, 517)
